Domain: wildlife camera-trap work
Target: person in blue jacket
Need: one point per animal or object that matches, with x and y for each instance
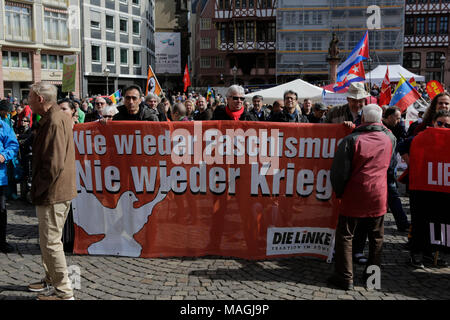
(8, 150)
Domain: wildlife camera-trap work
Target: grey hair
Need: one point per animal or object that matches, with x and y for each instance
(235, 89)
(372, 113)
(46, 90)
(152, 96)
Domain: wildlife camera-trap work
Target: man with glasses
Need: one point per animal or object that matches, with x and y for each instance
(234, 110)
(134, 109)
(291, 111)
(99, 105)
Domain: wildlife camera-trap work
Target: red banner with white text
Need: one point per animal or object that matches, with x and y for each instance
(429, 167)
(250, 190)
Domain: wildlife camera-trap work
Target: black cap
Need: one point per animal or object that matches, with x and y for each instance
(5, 105)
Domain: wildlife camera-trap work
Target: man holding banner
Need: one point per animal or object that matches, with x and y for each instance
(359, 179)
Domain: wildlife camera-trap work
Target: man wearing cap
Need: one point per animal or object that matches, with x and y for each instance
(317, 114)
(350, 113)
(8, 150)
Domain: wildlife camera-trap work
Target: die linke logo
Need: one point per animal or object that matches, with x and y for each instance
(299, 240)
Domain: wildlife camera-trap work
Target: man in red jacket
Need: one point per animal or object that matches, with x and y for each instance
(359, 179)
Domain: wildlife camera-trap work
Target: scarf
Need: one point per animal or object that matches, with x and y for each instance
(235, 115)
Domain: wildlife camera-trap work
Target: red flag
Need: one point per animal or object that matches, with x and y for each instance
(186, 78)
(385, 94)
(434, 88)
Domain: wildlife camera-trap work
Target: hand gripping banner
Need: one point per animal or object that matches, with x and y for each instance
(249, 190)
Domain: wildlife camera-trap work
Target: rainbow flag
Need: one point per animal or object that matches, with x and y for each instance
(115, 97)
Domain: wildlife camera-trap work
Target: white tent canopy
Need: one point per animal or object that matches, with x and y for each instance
(302, 88)
(377, 75)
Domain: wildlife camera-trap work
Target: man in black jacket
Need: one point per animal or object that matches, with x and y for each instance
(134, 109)
(234, 110)
(203, 113)
(291, 111)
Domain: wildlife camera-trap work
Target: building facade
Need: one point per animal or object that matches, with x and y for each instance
(427, 39)
(236, 42)
(305, 28)
(34, 37)
(174, 17)
(118, 44)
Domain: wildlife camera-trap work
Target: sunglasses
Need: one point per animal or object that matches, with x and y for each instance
(108, 117)
(100, 103)
(238, 98)
(443, 124)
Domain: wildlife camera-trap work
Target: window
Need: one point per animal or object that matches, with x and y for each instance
(5, 59)
(316, 17)
(205, 43)
(14, 61)
(136, 28)
(25, 60)
(124, 56)
(136, 58)
(44, 64)
(443, 25)
(409, 26)
(135, 2)
(55, 27)
(95, 55)
(316, 43)
(420, 25)
(238, 4)
(432, 25)
(205, 62)
(110, 55)
(240, 33)
(53, 62)
(205, 24)
(17, 21)
(251, 4)
(220, 63)
(95, 24)
(271, 31)
(433, 59)
(109, 22)
(123, 25)
(250, 31)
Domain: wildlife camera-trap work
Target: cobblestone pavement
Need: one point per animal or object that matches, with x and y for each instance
(214, 278)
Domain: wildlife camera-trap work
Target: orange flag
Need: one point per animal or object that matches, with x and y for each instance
(152, 83)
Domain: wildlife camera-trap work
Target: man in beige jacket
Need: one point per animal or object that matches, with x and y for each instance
(53, 188)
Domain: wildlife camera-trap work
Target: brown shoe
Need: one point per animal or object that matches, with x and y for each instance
(52, 297)
(39, 286)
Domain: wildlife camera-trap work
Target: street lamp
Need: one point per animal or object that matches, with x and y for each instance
(106, 73)
(234, 70)
(442, 59)
(300, 65)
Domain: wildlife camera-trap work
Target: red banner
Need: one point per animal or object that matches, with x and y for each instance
(250, 190)
(429, 167)
(434, 88)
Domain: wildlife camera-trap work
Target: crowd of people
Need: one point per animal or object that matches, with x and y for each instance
(364, 172)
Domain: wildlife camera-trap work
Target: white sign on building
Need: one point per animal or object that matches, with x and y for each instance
(168, 52)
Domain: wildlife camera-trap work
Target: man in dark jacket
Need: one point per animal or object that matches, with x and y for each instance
(234, 110)
(203, 112)
(134, 109)
(260, 112)
(317, 113)
(291, 111)
(359, 179)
